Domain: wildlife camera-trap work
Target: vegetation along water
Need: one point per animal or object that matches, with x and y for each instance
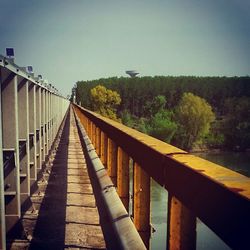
(215, 110)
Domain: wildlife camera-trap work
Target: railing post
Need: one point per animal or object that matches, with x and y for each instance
(97, 148)
(104, 148)
(123, 177)
(98, 141)
(142, 203)
(112, 161)
(85, 121)
(181, 233)
(93, 129)
(90, 129)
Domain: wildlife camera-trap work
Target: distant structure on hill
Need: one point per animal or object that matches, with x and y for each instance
(132, 73)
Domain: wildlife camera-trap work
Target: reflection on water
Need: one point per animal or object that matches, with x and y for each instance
(159, 205)
(206, 239)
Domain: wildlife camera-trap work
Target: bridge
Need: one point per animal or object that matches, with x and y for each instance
(65, 178)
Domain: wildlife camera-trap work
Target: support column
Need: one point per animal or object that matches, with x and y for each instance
(50, 120)
(181, 226)
(53, 117)
(123, 177)
(38, 128)
(142, 203)
(2, 203)
(10, 145)
(43, 125)
(47, 122)
(32, 133)
(23, 120)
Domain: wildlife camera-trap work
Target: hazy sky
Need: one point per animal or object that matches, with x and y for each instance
(71, 40)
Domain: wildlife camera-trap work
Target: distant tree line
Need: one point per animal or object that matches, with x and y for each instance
(166, 107)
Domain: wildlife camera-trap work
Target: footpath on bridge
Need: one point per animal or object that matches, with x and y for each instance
(65, 214)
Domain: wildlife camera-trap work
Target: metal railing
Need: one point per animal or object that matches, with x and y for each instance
(219, 197)
(118, 229)
(31, 114)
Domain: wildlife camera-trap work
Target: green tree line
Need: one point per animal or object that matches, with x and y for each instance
(165, 107)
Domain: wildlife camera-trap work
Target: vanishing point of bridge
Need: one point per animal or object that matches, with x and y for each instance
(65, 178)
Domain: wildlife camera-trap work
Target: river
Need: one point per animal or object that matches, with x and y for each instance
(206, 239)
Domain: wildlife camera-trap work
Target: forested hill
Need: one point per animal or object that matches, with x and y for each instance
(186, 111)
(135, 92)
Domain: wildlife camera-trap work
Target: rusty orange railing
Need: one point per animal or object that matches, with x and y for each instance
(219, 197)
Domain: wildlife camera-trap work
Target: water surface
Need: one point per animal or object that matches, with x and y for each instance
(206, 239)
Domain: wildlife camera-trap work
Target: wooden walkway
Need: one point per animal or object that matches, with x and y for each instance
(65, 214)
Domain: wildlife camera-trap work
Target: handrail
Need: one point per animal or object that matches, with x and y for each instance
(116, 221)
(216, 195)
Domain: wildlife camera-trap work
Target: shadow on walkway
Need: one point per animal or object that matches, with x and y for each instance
(49, 232)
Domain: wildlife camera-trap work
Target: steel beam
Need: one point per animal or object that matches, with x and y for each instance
(32, 133)
(38, 128)
(10, 143)
(29, 122)
(2, 202)
(23, 131)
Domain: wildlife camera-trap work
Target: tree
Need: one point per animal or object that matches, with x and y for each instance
(194, 116)
(105, 101)
(161, 126)
(236, 123)
(136, 92)
(127, 119)
(158, 104)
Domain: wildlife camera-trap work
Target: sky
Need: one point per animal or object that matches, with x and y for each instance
(71, 40)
